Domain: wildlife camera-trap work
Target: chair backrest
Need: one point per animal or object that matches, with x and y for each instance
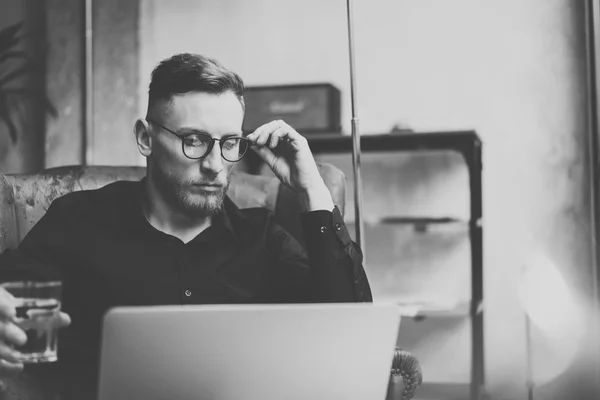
(24, 199)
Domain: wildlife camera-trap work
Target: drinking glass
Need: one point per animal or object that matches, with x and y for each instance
(38, 307)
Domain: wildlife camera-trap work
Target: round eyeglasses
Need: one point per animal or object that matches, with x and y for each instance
(198, 145)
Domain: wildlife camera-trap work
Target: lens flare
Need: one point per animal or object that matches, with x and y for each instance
(557, 318)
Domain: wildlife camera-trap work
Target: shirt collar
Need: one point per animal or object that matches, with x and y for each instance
(224, 218)
(225, 221)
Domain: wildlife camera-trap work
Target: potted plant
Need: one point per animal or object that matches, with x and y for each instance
(14, 64)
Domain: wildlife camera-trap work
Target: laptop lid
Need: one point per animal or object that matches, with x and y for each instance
(248, 352)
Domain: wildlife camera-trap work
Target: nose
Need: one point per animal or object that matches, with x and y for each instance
(213, 162)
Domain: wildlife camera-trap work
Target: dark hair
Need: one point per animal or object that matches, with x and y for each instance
(187, 72)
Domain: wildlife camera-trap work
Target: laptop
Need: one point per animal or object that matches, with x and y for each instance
(248, 352)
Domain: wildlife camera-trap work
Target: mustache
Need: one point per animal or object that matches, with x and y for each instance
(215, 182)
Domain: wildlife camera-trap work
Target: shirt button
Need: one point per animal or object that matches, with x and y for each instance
(188, 293)
(338, 227)
(323, 229)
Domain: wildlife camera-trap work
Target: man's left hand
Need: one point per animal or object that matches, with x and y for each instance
(287, 153)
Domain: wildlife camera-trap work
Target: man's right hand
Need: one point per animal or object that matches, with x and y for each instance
(12, 336)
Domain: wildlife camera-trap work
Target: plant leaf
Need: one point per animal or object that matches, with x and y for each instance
(33, 33)
(22, 109)
(5, 116)
(12, 129)
(4, 111)
(8, 36)
(49, 107)
(8, 45)
(11, 98)
(20, 91)
(4, 57)
(14, 74)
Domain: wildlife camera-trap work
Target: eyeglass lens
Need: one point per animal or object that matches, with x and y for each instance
(232, 149)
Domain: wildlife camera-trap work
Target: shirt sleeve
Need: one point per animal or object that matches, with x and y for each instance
(36, 257)
(335, 259)
(328, 269)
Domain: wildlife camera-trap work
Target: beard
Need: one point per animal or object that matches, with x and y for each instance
(178, 194)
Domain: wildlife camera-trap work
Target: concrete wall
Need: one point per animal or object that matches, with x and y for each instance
(512, 70)
(65, 135)
(58, 28)
(115, 80)
(116, 70)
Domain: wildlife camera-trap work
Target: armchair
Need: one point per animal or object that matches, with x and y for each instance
(24, 199)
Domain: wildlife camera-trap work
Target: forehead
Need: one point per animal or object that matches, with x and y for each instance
(215, 113)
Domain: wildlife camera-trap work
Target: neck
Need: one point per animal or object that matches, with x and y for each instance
(162, 216)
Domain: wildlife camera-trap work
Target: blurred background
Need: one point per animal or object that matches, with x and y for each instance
(518, 75)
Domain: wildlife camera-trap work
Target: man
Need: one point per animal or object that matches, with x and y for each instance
(175, 237)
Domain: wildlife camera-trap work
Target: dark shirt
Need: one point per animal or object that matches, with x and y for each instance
(101, 246)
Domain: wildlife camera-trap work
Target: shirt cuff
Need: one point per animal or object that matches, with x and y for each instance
(325, 226)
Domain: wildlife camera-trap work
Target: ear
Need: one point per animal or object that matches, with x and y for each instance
(143, 138)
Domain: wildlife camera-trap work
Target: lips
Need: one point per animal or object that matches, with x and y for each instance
(207, 187)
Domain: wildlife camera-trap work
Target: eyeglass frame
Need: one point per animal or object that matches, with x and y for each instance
(210, 146)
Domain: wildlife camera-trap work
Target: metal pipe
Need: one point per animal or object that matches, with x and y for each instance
(88, 137)
(359, 228)
(529, 350)
(592, 16)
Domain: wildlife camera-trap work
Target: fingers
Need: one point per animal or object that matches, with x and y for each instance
(274, 133)
(7, 305)
(9, 332)
(12, 334)
(262, 133)
(269, 138)
(63, 320)
(7, 367)
(266, 154)
(275, 138)
(9, 358)
(9, 354)
(267, 143)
